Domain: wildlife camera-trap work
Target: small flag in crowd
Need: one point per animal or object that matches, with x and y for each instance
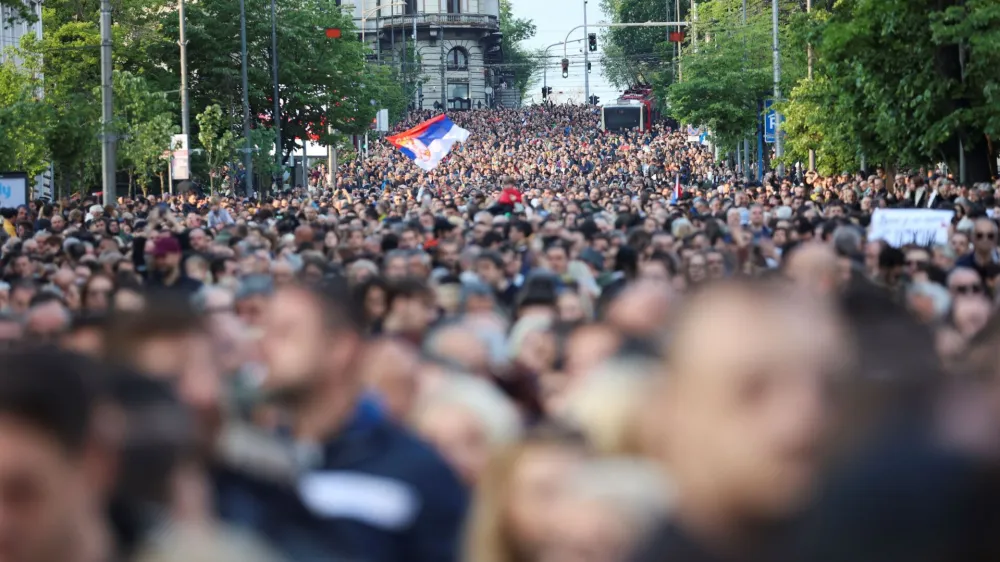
(678, 191)
(429, 142)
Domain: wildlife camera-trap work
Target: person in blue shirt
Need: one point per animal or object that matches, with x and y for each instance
(386, 494)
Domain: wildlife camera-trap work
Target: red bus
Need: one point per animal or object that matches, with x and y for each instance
(635, 109)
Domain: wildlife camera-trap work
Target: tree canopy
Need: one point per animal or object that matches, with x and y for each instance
(522, 62)
(904, 82)
(726, 69)
(325, 84)
(632, 56)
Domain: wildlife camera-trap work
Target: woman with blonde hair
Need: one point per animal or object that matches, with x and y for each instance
(466, 418)
(514, 498)
(606, 406)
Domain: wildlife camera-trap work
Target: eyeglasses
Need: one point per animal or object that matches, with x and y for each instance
(986, 235)
(968, 289)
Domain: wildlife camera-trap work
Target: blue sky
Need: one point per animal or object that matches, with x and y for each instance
(554, 18)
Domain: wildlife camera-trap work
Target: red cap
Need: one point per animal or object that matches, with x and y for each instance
(166, 246)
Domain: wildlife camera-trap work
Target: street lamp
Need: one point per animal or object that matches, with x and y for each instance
(545, 57)
(366, 15)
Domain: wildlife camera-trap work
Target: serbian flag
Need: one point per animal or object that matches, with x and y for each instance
(429, 142)
(678, 191)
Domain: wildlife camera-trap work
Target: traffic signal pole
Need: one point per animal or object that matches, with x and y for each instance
(610, 25)
(586, 58)
(545, 58)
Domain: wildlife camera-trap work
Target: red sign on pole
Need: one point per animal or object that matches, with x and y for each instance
(333, 33)
(677, 36)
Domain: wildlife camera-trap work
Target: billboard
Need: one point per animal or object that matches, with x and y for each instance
(179, 165)
(13, 189)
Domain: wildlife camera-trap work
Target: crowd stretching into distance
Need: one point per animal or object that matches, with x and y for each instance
(559, 345)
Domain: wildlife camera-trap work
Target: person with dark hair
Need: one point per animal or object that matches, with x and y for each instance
(744, 424)
(52, 473)
(166, 270)
(47, 319)
(360, 461)
(96, 293)
(922, 444)
(410, 309)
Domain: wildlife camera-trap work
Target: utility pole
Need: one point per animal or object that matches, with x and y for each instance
(666, 17)
(444, 85)
(779, 148)
(677, 45)
(331, 164)
(809, 55)
(746, 141)
(416, 92)
(402, 60)
(277, 99)
(248, 148)
(108, 138)
(694, 25)
(185, 106)
(586, 59)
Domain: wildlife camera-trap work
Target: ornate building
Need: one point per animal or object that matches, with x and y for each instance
(13, 27)
(457, 46)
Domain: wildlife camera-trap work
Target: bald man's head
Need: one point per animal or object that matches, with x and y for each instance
(642, 309)
(815, 266)
(745, 396)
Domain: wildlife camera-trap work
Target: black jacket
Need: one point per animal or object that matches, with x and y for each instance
(374, 493)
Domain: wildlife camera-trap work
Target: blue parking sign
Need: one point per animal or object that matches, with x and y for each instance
(770, 121)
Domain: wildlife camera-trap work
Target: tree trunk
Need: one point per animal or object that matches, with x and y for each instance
(890, 176)
(977, 161)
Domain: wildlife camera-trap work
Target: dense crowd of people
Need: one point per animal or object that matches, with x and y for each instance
(560, 345)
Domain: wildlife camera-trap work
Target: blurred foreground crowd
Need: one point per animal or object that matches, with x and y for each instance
(541, 351)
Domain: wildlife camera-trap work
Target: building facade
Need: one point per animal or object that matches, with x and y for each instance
(13, 28)
(457, 46)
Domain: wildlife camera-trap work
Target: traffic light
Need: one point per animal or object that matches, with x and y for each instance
(565, 68)
(588, 66)
(549, 90)
(545, 92)
(594, 100)
(592, 42)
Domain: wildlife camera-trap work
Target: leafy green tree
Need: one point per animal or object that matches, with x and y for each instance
(262, 152)
(388, 93)
(726, 69)
(145, 122)
(910, 82)
(217, 138)
(24, 116)
(523, 62)
(320, 79)
(639, 55)
(812, 124)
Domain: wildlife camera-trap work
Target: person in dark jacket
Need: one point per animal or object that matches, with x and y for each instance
(386, 495)
(167, 272)
(743, 423)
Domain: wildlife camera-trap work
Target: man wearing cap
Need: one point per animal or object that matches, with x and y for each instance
(166, 272)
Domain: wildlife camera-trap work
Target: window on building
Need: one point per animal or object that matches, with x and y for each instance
(411, 7)
(454, 6)
(458, 96)
(458, 59)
